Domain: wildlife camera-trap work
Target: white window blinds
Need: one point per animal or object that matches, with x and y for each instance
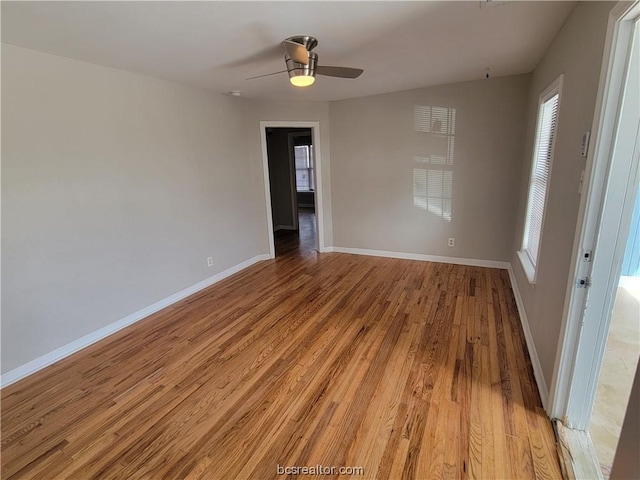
(540, 176)
(303, 155)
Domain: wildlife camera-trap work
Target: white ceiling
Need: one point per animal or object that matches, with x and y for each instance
(400, 45)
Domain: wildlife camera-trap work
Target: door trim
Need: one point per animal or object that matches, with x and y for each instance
(315, 138)
(610, 90)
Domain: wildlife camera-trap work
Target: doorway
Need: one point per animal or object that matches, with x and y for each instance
(293, 187)
(603, 233)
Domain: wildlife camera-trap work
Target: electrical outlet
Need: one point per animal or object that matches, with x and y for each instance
(452, 242)
(209, 261)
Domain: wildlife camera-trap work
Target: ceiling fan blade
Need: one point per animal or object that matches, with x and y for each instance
(297, 52)
(266, 75)
(342, 72)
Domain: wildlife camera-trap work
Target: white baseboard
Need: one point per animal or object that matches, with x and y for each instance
(422, 257)
(66, 350)
(284, 227)
(59, 353)
(578, 452)
(531, 346)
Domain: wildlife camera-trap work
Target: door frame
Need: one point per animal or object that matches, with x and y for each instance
(315, 139)
(292, 165)
(567, 388)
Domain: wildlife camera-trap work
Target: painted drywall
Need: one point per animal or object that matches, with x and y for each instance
(294, 111)
(306, 199)
(626, 463)
(577, 53)
(115, 189)
(280, 178)
(392, 154)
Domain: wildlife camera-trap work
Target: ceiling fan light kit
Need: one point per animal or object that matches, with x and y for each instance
(302, 80)
(301, 75)
(302, 63)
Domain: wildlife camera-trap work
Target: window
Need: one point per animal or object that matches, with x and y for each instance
(540, 175)
(303, 155)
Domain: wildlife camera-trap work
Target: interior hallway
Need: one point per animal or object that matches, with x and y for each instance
(304, 241)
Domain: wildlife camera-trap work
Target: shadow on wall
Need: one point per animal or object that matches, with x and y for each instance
(435, 129)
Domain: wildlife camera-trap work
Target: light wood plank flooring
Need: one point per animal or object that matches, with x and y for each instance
(406, 369)
(303, 242)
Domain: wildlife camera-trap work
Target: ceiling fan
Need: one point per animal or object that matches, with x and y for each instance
(302, 63)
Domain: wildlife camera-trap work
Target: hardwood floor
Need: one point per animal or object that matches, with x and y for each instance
(302, 242)
(406, 369)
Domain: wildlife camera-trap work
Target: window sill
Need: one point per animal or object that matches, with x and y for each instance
(528, 267)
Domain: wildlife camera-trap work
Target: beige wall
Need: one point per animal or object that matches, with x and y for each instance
(576, 52)
(379, 162)
(115, 189)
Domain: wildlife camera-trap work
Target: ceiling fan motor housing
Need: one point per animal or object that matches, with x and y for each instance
(307, 41)
(296, 69)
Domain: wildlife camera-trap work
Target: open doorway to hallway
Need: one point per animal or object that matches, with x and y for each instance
(292, 182)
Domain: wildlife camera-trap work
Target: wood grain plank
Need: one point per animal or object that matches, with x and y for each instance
(409, 369)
